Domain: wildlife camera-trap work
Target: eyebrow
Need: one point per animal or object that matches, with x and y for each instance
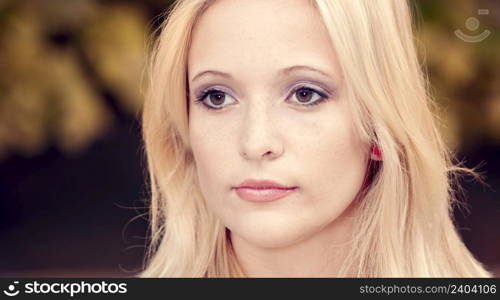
(280, 72)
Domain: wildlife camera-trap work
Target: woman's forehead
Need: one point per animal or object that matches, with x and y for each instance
(260, 35)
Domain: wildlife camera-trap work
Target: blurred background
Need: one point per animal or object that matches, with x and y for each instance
(72, 187)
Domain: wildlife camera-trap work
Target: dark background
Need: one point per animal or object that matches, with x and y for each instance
(72, 187)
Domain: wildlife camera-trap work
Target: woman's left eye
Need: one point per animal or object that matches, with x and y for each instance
(307, 96)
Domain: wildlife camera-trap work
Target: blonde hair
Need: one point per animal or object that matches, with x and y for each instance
(403, 224)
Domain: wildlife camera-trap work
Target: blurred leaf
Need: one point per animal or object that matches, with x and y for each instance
(44, 98)
(114, 44)
(83, 116)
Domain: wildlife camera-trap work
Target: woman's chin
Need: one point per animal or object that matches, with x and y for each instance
(275, 233)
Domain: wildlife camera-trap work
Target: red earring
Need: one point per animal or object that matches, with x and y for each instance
(376, 152)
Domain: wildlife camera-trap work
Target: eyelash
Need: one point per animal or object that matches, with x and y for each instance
(201, 98)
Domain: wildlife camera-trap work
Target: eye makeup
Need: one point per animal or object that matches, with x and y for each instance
(207, 93)
(301, 89)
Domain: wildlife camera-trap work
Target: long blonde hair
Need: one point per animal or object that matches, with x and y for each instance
(403, 224)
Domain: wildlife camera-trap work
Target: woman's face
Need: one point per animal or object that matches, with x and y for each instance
(266, 103)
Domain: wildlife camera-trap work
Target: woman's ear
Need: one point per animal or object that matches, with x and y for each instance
(375, 153)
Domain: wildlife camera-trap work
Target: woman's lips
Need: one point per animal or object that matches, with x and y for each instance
(263, 194)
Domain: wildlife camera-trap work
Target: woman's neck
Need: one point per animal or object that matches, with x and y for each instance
(320, 255)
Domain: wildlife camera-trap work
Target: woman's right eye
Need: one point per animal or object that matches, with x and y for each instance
(213, 99)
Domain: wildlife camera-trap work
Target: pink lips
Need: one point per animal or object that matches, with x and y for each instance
(262, 190)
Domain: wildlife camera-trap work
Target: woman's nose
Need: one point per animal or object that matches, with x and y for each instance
(259, 138)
